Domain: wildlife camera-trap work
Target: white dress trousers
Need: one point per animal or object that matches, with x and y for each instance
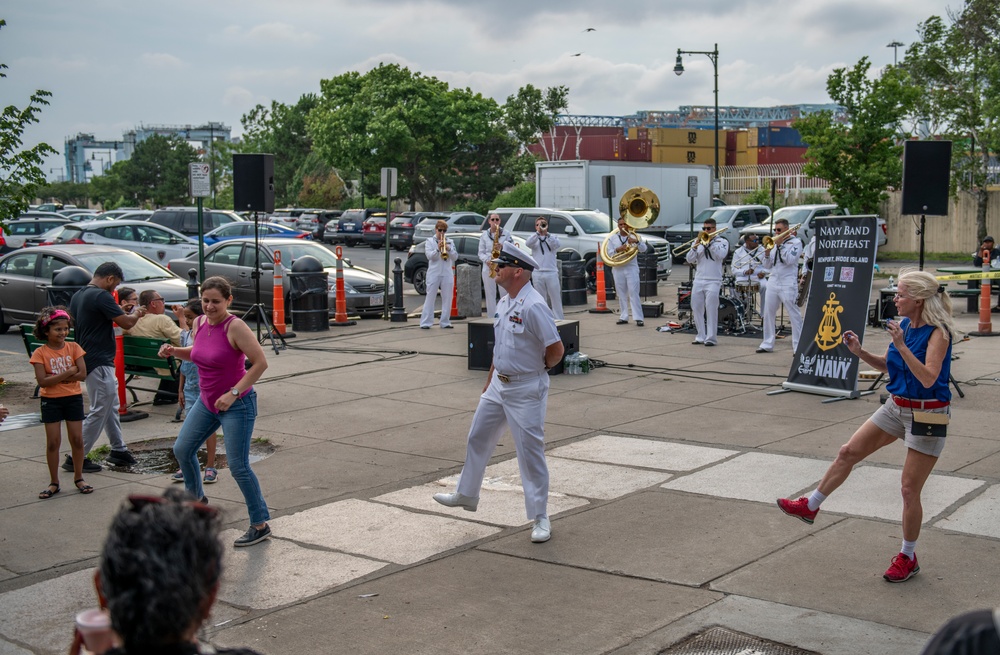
(782, 289)
(440, 276)
(626, 279)
(706, 287)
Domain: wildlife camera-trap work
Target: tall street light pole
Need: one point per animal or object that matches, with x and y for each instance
(679, 69)
(895, 45)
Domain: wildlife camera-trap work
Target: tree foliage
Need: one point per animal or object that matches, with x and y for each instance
(76, 193)
(281, 130)
(21, 170)
(957, 67)
(531, 113)
(156, 175)
(860, 158)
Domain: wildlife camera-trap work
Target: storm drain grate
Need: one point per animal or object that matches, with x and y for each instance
(720, 641)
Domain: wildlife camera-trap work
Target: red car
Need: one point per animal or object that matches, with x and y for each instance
(373, 231)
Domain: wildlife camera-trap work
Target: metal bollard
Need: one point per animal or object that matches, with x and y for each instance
(398, 311)
(193, 284)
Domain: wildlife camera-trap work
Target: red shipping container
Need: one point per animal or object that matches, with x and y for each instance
(601, 148)
(785, 123)
(638, 150)
(571, 132)
(780, 155)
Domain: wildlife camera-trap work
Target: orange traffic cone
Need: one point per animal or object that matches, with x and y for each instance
(985, 318)
(602, 301)
(279, 296)
(455, 316)
(340, 315)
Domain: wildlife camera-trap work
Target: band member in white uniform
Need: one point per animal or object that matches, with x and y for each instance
(516, 392)
(439, 276)
(708, 260)
(493, 232)
(782, 286)
(545, 279)
(749, 273)
(627, 275)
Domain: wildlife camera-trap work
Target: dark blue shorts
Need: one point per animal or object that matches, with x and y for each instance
(63, 408)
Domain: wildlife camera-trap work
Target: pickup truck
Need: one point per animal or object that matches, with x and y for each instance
(737, 218)
(583, 230)
(805, 214)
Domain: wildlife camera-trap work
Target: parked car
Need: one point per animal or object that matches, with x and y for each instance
(36, 213)
(23, 228)
(26, 274)
(234, 260)
(734, 217)
(77, 214)
(289, 216)
(805, 214)
(185, 219)
(467, 245)
(121, 212)
(132, 215)
(458, 222)
(401, 228)
(373, 231)
(347, 228)
(245, 229)
(314, 221)
(583, 230)
(158, 243)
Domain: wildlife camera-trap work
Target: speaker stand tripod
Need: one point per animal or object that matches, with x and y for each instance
(258, 307)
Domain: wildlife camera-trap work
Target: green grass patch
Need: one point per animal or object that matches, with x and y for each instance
(953, 257)
(99, 453)
(261, 440)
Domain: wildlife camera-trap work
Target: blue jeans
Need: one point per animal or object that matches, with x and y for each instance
(237, 428)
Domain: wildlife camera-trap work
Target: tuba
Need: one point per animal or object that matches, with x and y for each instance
(639, 207)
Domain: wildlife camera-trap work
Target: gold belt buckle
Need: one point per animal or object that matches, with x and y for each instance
(503, 378)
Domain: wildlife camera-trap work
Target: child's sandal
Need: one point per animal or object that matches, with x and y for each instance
(48, 493)
(84, 488)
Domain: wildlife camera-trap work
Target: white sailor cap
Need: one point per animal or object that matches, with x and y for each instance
(514, 256)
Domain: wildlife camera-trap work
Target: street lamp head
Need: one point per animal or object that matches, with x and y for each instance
(679, 66)
(894, 44)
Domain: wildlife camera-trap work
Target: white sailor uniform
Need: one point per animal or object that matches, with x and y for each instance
(782, 289)
(626, 278)
(440, 275)
(545, 278)
(485, 255)
(516, 398)
(746, 266)
(708, 261)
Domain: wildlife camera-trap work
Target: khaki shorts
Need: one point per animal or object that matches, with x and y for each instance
(897, 421)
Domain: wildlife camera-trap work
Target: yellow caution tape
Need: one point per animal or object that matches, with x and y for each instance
(971, 276)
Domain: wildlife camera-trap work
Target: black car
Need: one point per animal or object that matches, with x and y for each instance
(401, 228)
(314, 221)
(185, 219)
(467, 245)
(348, 228)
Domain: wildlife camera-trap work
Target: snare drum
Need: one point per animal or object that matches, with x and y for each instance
(748, 284)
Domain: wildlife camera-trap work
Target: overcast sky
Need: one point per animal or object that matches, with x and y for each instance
(114, 64)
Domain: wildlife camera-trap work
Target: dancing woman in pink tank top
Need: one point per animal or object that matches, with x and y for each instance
(222, 343)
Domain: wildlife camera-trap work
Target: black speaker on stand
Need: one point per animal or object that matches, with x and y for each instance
(253, 190)
(926, 178)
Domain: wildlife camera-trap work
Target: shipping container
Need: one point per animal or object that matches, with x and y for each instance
(746, 157)
(669, 136)
(638, 133)
(784, 123)
(638, 150)
(572, 132)
(687, 155)
(783, 137)
(780, 155)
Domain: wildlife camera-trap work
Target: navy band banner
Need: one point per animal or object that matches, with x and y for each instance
(841, 283)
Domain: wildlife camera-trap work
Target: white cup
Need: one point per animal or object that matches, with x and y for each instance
(95, 628)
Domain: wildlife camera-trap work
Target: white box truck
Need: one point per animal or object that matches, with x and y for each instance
(577, 185)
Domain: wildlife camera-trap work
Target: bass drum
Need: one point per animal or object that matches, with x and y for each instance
(731, 316)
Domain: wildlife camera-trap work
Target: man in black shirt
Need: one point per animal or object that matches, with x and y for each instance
(95, 314)
(989, 245)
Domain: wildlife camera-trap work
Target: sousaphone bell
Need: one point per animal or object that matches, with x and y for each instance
(639, 207)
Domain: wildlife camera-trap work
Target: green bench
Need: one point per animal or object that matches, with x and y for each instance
(141, 360)
(971, 296)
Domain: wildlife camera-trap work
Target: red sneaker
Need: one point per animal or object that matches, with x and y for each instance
(902, 568)
(798, 508)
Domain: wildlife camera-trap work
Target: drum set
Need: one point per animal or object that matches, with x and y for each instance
(738, 306)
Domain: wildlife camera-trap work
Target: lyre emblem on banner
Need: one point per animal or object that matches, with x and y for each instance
(828, 334)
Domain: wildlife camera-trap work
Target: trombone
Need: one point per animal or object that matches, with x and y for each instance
(704, 238)
(770, 242)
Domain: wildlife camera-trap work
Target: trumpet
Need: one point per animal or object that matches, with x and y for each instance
(443, 247)
(770, 242)
(704, 238)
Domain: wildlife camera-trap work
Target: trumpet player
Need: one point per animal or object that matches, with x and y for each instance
(546, 277)
(782, 260)
(627, 275)
(441, 254)
(708, 259)
(490, 245)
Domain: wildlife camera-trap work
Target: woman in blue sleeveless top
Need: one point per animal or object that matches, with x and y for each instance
(918, 362)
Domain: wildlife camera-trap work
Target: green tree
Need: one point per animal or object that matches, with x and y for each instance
(531, 112)
(281, 130)
(860, 158)
(108, 190)
(957, 67)
(21, 170)
(157, 172)
(321, 185)
(76, 193)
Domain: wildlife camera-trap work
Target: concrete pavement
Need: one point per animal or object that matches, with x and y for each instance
(665, 464)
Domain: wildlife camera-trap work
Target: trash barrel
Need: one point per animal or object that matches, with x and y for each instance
(647, 274)
(574, 277)
(309, 296)
(67, 281)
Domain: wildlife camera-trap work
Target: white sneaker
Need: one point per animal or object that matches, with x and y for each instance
(542, 531)
(457, 500)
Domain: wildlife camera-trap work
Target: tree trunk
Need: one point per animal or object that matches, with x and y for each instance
(982, 199)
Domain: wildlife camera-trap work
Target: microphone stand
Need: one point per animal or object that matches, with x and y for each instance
(258, 307)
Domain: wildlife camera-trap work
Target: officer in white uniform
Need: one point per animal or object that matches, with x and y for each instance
(749, 272)
(516, 392)
(545, 279)
(783, 286)
(627, 275)
(486, 254)
(708, 261)
(439, 276)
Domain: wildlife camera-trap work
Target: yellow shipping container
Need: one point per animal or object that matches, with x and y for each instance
(741, 141)
(686, 155)
(746, 157)
(687, 137)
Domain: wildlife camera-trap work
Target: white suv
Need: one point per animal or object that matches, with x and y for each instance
(583, 230)
(805, 214)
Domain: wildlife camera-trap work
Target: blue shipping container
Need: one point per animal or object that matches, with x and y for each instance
(782, 137)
